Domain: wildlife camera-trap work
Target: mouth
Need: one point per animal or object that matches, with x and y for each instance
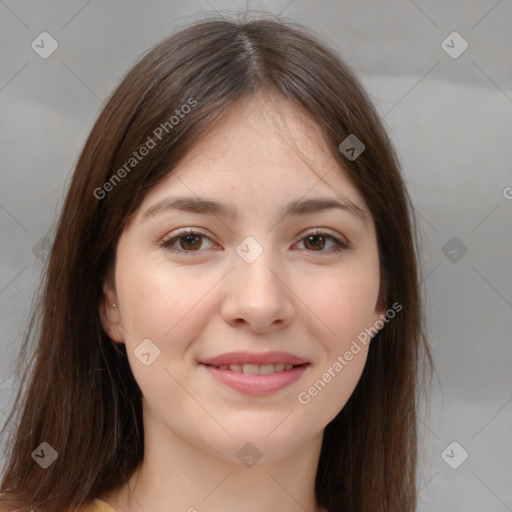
(239, 360)
(256, 374)
(256, 369)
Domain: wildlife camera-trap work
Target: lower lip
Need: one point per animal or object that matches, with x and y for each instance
(257, 385)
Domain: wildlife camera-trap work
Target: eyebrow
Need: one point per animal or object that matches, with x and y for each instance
(209, 206)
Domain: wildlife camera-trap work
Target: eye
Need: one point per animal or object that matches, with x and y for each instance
(318, 240)
(188, 240)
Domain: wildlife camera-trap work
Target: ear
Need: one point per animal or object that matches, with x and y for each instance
(379, 315)
(110, 315)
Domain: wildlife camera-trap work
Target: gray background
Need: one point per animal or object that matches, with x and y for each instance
(450, 118)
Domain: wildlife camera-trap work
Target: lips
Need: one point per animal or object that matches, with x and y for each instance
(256, 374)
(252, 358)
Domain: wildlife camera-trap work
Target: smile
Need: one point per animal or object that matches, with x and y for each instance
(256, 369)
(257, 380)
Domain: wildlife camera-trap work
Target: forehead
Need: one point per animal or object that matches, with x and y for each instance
(263, 149)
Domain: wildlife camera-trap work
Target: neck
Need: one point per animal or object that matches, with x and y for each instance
(175, 475)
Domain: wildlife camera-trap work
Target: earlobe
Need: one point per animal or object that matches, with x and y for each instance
(379, 316)
(109, 313)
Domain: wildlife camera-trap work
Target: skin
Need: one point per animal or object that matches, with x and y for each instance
(294, 297)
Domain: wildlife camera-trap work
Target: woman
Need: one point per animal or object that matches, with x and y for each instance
(231, 315)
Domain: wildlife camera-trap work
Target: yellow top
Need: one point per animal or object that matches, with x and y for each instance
(99, 506)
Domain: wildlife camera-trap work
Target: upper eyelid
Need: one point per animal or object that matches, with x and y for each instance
(184, 232)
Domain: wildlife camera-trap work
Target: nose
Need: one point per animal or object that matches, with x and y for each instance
(257, 295)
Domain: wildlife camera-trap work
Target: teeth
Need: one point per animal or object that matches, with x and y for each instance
(266, 369)
(250, 369)
(255, 369)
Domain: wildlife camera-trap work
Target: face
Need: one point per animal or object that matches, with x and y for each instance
(303, 282)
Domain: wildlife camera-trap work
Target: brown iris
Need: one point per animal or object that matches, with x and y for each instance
(320, 245)
(191, 245)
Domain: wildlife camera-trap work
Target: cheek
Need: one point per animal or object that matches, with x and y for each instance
(168, 308)
(154, 296)
(161, 304)
(346, 304)
(330, 388)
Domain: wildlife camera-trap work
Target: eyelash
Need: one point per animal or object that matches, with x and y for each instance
(166, 243)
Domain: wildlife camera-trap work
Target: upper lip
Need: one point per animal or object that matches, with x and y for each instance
(254, 358)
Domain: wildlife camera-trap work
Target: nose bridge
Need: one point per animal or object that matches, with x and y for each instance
(253, 268)
(258, 295)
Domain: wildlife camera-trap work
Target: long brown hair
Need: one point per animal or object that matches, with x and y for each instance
(81, 397)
